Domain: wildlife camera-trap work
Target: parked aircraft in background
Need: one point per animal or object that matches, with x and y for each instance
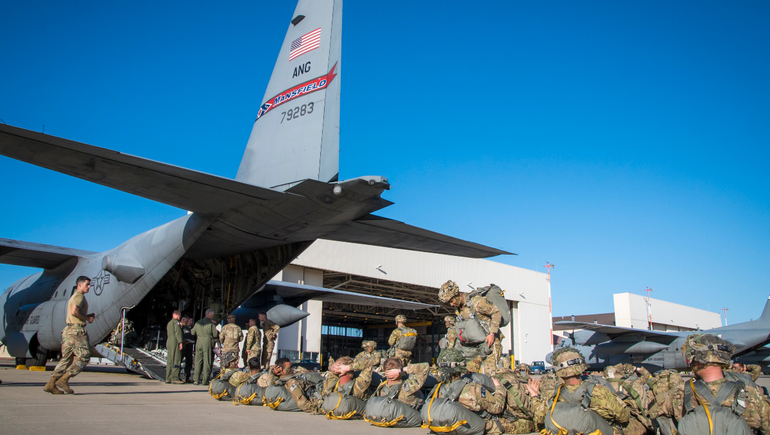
(606, 345)
(241, 232)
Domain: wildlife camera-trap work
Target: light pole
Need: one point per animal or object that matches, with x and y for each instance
(649, 308)
(725, 311)
(550, 266)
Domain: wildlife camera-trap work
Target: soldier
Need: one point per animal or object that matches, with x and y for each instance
(230, 336)
(518, 416)
(206, 332)
(347, 382)
(174, 347)
(75, 353)
(369, 357)
(409, 390)
(189, 341)
(691, 404)
(473, 395)
(252, 344)
(451, 332)
(752, 370)
(484, 311)
(402, 341)
(598, 407)
(270, 331)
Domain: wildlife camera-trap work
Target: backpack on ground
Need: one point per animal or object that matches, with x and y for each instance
(249, 393)
(220, 387)
(278, 398)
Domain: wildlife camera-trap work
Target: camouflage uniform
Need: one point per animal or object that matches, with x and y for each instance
(366, 358)
(409, 393)
(270, 331)
(230, 336)
(75, 352)
(451, 332)
(709, 349)
(358, 387)
(173, 354)
(568, 362)
(485, 312)
(395, 336)
(252, 345)
(518, 416)
(206, 332)
(297, 388)
(754, 371)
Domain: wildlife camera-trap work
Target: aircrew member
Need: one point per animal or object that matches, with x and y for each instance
(206, 332)
(174, 347)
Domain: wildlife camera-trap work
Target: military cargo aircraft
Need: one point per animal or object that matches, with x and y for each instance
(238, 233)
(606, 345)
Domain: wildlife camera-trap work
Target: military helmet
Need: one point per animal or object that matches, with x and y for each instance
(369, 343)
(707, 348)
(523, 368)
(568, 362)
(401, 318)
(450, 319)
(228, 358)
(448, 291)
(451, 361)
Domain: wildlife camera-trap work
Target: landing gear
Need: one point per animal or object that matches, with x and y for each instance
(21, 362)
(41, 356)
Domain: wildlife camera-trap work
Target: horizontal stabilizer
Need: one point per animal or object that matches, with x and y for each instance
(30, 254)
(168, 184)
(380, 231)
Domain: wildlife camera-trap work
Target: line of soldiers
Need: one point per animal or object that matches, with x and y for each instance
(180, 335)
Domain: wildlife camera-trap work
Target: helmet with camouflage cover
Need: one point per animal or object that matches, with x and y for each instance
(369, 343)
(568, 362)
(401, 318)
(448, 291)
(523, 368)
(707, 349)
(450, 319)
(451, 361)
(228, 358)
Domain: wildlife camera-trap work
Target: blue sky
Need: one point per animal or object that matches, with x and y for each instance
(625, 142)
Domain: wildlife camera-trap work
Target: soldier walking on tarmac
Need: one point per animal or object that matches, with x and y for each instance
(206, 332)
(75, 353)
(174, 347)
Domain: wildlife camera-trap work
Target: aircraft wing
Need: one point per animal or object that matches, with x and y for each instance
(380, 231)
(168, 184)
(615, 331)
(30, 254)
(296, 294)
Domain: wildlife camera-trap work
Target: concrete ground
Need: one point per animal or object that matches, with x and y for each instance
(110, 401)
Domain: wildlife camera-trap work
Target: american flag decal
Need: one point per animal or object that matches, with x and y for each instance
(307, 42)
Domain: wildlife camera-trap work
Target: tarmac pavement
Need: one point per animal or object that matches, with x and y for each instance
(110, 401)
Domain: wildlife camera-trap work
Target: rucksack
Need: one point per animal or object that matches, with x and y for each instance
(341, 404)
(408, 339)
(278, 398)
(573, 414)
(220, 387)
(249, 393)
(445, 415)
(714, 418)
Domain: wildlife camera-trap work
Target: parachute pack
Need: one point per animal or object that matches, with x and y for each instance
(470, 331)
(714, 418)
(220, 387)
(445, 415)
(408, 339)
(573, 414)
(495, 295)
(340, 406)
(249, 393)
(388, 411)
(278, 398)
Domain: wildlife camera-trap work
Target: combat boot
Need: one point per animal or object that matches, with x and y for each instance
(63, 383)
(50, 387)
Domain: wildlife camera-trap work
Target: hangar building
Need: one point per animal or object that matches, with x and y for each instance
(337, 329)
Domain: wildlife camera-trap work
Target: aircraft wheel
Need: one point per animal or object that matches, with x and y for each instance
(40, 358)
(21, 361)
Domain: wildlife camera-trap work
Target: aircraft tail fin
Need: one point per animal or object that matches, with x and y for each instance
(765, 317)
(296, 134)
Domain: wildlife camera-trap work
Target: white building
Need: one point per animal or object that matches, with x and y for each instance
(338, 329)
(632, 311)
